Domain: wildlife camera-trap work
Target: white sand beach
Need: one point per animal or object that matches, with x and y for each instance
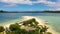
(41, 22)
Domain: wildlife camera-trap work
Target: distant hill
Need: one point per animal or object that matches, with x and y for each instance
(52, 11)
(1, 11)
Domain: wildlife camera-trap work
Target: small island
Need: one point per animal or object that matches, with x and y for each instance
(45, 11)
(29, 25)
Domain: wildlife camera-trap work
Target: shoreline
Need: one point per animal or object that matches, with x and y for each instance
(41, 22)
(9, 22)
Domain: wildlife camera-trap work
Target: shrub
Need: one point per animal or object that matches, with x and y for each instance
(14, 27)
(1, 29)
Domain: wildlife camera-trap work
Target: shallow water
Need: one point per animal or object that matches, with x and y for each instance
(52, 18)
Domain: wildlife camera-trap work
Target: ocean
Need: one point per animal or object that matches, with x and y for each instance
(52, 18)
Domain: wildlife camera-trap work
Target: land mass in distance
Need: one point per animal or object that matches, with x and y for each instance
(2, 11)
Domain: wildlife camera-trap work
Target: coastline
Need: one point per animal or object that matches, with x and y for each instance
(5, 24)
(41, 22)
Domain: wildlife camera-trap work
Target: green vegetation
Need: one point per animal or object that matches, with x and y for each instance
(32, 22)
(16, 28)
(2, 29)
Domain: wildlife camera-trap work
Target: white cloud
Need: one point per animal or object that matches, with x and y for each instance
(50, 3)
(15, 2)
(46, 2)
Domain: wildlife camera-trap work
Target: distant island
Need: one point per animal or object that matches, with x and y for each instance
(51, 11)
(46, 11)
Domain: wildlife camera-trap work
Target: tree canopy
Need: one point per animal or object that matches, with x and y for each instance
(1, 29)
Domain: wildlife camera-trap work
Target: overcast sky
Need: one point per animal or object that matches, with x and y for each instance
(29, 5)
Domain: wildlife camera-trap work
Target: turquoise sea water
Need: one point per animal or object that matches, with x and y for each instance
(52, 18)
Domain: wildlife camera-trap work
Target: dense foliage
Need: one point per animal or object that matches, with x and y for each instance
(16, 28)
(2, 29)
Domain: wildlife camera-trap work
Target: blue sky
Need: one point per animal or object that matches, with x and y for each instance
(29, 5)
